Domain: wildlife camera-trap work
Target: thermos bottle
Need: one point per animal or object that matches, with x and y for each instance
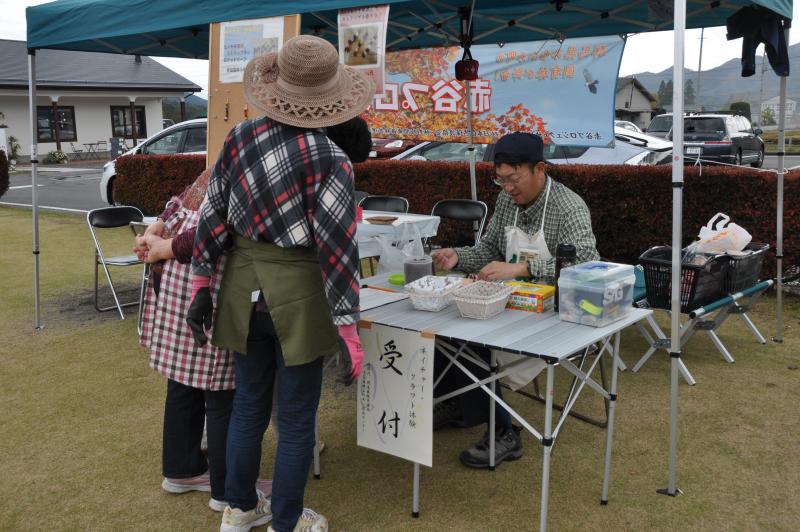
(565, 257)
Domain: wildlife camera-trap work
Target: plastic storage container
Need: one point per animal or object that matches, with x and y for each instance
(701, 283)
(433, 293)
(482, 300)
(595, 293)
(744, 269)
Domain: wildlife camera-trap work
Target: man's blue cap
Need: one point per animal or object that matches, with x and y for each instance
(519, 147)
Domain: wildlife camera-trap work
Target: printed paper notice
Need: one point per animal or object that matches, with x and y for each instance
(395, 394)
(362, 40)
(242, 40)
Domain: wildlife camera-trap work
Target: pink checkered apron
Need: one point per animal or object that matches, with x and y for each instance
(173, 352)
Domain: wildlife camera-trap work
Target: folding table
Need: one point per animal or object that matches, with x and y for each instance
(538, 336)
(406, 227)
(707, 318)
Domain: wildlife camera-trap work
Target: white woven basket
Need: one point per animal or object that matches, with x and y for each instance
(433, 301)
(482, 300)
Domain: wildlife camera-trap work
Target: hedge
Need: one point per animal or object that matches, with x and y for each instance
(149, 181)
(3, 173)
(631, 206)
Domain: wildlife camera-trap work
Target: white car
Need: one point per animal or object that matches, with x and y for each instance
(627, 125)
(630, 148)
(182, 138)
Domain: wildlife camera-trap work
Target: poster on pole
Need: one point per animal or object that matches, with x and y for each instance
(564, 91)
(362, 40)
(395, 393)
(242, 40)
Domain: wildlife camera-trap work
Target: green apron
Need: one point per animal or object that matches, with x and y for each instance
(291, 281)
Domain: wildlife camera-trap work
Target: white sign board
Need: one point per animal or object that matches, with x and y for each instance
(395, 393)
(362, 41)
(242, 40)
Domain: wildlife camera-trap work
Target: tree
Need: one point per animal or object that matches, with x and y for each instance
(768, 117)
(668, 89)
(662, 87)
(688, 92)
(741, 108)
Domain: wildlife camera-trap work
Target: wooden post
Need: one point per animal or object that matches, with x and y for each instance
(133, 123)
(183, 109)
(57, 124)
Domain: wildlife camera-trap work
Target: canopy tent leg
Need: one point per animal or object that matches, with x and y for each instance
(37, 319)
(473, 182)
(677, 223)
(778, 338)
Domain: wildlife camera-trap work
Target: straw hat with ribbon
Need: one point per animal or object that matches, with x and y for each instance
(304, 85)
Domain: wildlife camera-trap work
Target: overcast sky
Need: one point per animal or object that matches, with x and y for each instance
(646, 52)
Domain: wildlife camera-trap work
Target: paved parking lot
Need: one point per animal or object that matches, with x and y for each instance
(62, 189)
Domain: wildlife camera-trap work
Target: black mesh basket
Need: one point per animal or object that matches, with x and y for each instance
(700, 284)
(743, 272)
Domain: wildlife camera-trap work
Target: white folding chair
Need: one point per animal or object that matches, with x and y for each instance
(108, 218)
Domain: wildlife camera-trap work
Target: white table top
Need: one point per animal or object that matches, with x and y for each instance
(406, 227)
(536, 335)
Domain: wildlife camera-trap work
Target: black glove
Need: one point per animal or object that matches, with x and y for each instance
(200, 312)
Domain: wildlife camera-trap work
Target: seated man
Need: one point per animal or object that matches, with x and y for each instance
(532, 216)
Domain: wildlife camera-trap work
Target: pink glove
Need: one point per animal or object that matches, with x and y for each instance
(199, 282)
(355, 354)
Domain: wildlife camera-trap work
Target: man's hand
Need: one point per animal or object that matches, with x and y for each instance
(156, 229)
(199, 315)
(352, 353)
(445, 259)
(501, 271)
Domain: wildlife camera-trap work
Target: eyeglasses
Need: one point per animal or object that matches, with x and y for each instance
(512, 180)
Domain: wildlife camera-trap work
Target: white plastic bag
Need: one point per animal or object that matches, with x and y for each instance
(720, 236)
(394, 253)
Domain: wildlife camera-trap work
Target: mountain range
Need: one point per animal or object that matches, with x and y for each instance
(721, 86)
(196, 107)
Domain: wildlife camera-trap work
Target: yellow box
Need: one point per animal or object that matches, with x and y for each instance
(531, 297)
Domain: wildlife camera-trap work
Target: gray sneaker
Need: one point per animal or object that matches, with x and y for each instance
(447, 413)
(507, 446)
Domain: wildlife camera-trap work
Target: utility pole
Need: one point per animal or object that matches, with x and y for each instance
(699, 68)
(761, 94)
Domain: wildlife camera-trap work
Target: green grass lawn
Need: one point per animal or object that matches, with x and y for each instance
(771, 141)
(81, 414)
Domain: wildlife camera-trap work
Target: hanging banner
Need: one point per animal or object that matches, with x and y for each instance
(362, 40)
(242, 40)
(563, 91)
(395, 393)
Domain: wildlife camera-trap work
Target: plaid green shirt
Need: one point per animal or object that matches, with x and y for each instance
(567, 221)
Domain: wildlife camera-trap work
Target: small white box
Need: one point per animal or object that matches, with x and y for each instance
(595, 293)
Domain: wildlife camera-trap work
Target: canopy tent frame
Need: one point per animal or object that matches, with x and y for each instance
(52, 26)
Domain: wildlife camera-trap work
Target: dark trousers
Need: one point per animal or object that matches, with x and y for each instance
(474, 403)
(185, 410)
(299, 388)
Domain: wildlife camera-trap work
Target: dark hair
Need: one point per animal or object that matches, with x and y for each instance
(353, 137)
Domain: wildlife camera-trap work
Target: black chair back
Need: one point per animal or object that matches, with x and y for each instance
(385, 203)
(109, 217)
(463, 210)
(360, 195)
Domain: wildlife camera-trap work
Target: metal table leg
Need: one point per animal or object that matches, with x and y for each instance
(611, 409)
(415, 499)
(547, 443)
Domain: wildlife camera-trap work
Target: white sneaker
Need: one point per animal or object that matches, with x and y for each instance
(310, 521)
(185, 485)
(235, 520)
(219, 506)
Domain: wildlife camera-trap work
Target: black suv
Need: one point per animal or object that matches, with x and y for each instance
(721, 138)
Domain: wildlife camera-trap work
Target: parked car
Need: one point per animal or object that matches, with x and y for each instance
(630, 148)
(387, 148)
(627, 125)
(182, 138)
(660, 126)
(722, 138)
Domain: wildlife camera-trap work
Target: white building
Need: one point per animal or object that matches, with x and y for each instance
(92, 95)
(774, 105)
(633, 102)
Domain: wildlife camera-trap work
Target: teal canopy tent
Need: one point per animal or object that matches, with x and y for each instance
(179, 28)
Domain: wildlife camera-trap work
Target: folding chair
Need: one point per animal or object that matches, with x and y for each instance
(77, 152)
(463, 210)
(385, 203)
(108, 218)
(360, 195)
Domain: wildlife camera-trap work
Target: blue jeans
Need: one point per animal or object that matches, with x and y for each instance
(298, 397)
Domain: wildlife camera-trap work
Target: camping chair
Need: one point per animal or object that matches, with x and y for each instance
(77, 152)
(741, 285)
(463, 210)
(108, 218)
(385, 203)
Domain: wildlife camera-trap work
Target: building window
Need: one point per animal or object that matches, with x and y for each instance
(46, 124)
(121, 124)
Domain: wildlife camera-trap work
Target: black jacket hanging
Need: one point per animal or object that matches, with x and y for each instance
(756, 25)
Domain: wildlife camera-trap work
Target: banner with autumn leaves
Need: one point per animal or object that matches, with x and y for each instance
(564, 91)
